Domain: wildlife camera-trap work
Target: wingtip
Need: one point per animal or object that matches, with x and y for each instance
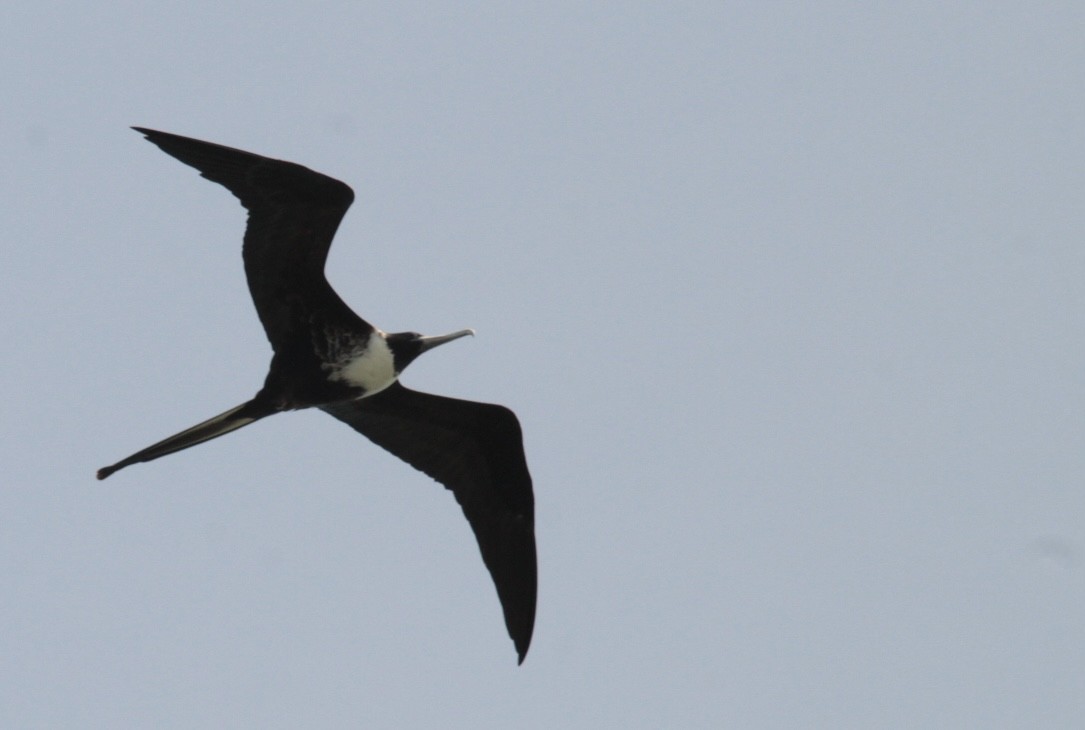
(150, 134)
(521, 650)
(106, 471)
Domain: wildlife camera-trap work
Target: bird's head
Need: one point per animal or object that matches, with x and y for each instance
(406, 346)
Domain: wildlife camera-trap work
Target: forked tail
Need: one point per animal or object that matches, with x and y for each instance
(223, 423)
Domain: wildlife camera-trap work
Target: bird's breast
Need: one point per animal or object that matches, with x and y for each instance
(369, 365)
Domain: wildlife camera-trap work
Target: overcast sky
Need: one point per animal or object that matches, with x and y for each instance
(789, 299)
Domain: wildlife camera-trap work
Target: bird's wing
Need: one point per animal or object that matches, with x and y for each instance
(475, 450)
(293, 215)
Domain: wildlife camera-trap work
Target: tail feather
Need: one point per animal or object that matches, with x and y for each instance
(221, 424)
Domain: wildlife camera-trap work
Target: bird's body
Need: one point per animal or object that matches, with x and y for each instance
(326, 356)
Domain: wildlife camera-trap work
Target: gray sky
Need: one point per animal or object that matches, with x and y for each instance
(789, 300)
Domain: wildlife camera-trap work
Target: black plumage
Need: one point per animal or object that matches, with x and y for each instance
(326, 356)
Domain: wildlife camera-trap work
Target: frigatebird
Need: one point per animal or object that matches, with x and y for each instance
(326, 356)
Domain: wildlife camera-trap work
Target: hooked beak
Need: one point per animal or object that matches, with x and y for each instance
(428, 343)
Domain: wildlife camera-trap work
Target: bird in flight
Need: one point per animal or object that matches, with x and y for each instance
(326, 356)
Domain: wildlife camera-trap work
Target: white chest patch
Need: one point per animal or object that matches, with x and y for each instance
(371, 368)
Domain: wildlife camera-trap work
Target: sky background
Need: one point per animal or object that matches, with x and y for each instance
(789, 299)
